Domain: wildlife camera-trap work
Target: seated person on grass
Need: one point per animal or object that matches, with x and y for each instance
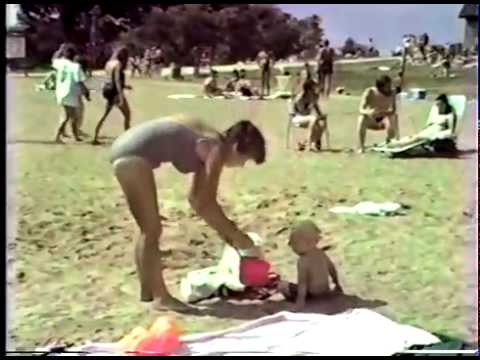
(378, 111)
(244, 86)
(442, 123)
(314, 267)
(210, 86)
(306, 114)
(232, 82)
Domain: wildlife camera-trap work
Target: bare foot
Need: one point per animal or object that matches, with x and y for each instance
(172, 304)
(360, 151)
(96, 142)
(59, 140)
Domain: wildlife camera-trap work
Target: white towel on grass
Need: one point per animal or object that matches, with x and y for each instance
(360, 332)
(369, 208)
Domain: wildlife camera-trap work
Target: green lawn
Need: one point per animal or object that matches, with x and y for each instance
(74, 244)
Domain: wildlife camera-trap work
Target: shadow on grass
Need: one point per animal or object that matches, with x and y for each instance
(331, 151)
(424, 154)
(33, 142)
(104, 141)
(251, 310)
(459, 155)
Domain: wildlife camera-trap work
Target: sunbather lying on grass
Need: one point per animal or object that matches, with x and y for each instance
(442, 122)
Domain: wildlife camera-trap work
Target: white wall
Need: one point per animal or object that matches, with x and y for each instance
(11, 14)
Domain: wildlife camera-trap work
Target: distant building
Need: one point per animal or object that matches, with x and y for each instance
(16, 44)
(469, 12)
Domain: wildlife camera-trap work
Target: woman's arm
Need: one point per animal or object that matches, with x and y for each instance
(203, 199)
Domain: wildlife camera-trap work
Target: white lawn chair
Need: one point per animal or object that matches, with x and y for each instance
(290, 123)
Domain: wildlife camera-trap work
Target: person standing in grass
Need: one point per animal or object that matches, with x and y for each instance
(113, 90)
(69, 90)
(192, 148)
(83, 62)
(325, 62)
(264, 62)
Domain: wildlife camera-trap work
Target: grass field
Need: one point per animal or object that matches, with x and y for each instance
(74, 271)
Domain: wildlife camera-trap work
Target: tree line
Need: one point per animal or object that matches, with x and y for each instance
(231, 32)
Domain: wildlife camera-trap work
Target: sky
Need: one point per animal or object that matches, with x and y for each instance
(384, 23)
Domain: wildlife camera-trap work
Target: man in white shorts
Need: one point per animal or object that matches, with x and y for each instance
(69, 89)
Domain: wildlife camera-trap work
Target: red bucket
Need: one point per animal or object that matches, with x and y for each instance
(254, 272)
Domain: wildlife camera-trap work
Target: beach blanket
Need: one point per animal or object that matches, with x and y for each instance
(228, 97)
(355, 332)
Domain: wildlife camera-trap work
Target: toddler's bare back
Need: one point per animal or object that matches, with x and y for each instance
(316, 263)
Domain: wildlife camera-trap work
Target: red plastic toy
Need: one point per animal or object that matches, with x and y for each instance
(254, 272)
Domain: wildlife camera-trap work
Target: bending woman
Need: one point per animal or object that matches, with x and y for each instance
(135, 155)
(113, 90)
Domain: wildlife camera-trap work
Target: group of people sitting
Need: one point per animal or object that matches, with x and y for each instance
(237, 85)
(377, 112)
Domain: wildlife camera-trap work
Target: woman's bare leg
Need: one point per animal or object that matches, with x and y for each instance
(81, 114)
(135, 176)
(314, 133)
(326, 131)
(74, 120)
(65, 116)
(328, 85)
(108, 109)
(125, 110)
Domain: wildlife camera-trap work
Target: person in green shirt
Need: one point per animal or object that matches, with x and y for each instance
(69, 90)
